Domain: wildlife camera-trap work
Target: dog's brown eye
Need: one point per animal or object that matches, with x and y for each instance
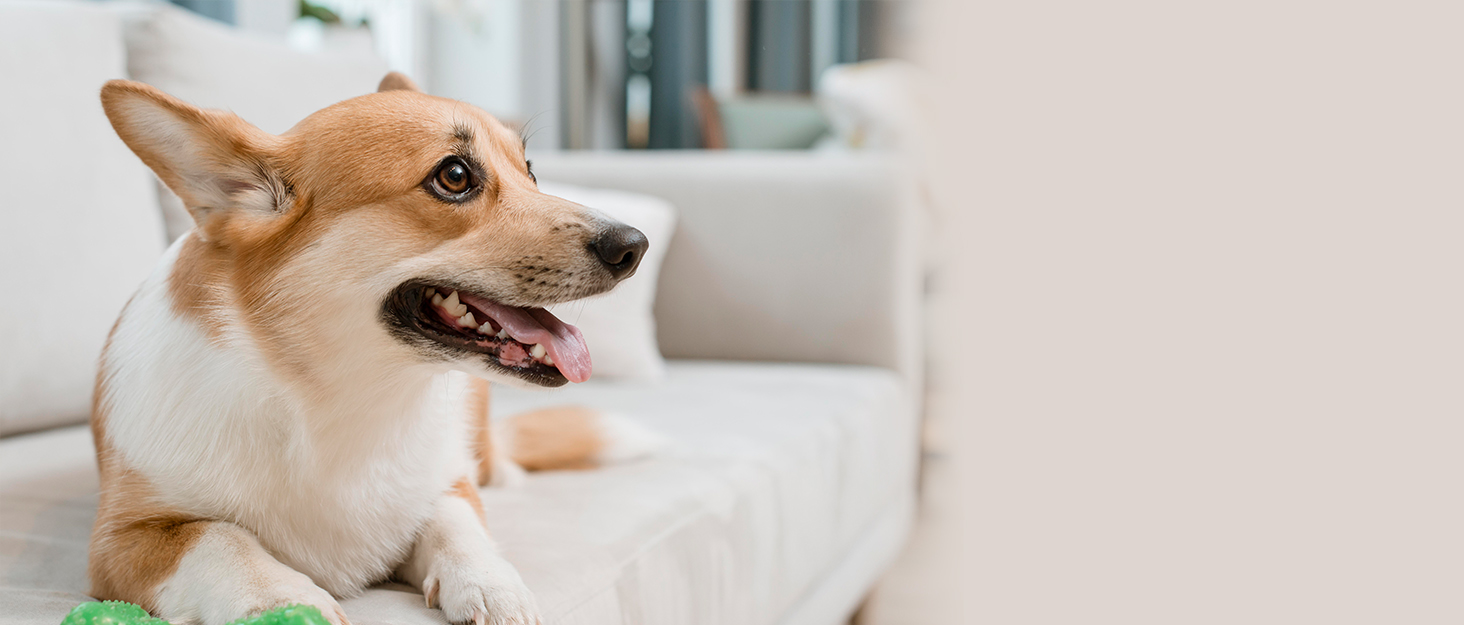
(454, 177)
(456, 180)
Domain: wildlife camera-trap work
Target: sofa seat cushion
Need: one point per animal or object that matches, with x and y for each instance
(775, 473)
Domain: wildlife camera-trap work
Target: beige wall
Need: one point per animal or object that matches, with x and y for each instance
(1201, 321)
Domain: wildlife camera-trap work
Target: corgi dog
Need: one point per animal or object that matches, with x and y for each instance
(293, 406)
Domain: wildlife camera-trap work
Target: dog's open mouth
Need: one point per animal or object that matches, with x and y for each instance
(528, 342)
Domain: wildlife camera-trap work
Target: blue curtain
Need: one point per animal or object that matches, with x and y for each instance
(221, 10)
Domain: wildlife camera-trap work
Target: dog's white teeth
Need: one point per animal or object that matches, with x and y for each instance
(485, 329)
(502, 334)
(540, 354)
(429, 292)
(452, 305)
(467, 321)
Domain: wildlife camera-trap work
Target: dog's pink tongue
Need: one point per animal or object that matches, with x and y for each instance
(564, 342)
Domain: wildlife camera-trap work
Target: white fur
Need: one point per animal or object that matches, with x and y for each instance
(227, 573)
(627, 440)
(335, 480)
(458, 563)
(506, 472)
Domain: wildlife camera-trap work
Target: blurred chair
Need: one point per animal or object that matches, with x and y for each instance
(759, 121)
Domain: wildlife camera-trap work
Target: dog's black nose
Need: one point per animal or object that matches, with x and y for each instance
(620, 247)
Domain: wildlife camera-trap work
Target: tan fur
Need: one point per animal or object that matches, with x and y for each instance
(250, 149)
(397, 81)
(560, 438)
(478, 400)
(98, 421)
(466, 490)
(556, 438)
(189, 285)
(135, 543)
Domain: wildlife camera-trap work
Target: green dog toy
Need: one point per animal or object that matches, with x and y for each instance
(123, 613)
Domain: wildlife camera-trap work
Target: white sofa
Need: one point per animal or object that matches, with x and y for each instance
(787, 305)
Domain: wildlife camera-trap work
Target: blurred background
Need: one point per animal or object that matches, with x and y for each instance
(612, 74)
(1188, 271)
(815, 107)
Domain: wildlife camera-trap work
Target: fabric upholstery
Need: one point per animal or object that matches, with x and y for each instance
(777, 256)
(619, 326)
(79, 228)
(786, 493)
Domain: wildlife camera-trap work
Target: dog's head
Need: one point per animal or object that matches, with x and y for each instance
(395, 225)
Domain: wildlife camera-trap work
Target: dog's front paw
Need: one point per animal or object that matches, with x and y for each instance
(488, 593)
(300, 592)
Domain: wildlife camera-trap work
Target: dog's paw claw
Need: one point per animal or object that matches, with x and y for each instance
(485, 595)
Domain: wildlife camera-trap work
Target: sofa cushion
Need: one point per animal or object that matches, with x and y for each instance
(787, 256)
(777, 473)
(79, 228)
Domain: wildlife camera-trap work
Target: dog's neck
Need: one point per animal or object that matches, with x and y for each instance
(325, 361)
(360, 411)
(360, 398)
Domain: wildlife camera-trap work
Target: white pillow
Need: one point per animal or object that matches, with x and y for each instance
(619, 326)
(79, 226)
(211, 65)
(874, 105)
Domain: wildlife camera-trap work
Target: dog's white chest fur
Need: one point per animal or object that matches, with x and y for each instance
(336, 492)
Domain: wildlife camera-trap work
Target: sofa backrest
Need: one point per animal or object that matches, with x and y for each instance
(790, 256)
(80, 225)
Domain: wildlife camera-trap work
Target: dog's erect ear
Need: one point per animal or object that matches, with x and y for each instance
(213, 160)
(397, 81)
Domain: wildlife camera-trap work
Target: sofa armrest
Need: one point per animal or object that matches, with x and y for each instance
(785, 256)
